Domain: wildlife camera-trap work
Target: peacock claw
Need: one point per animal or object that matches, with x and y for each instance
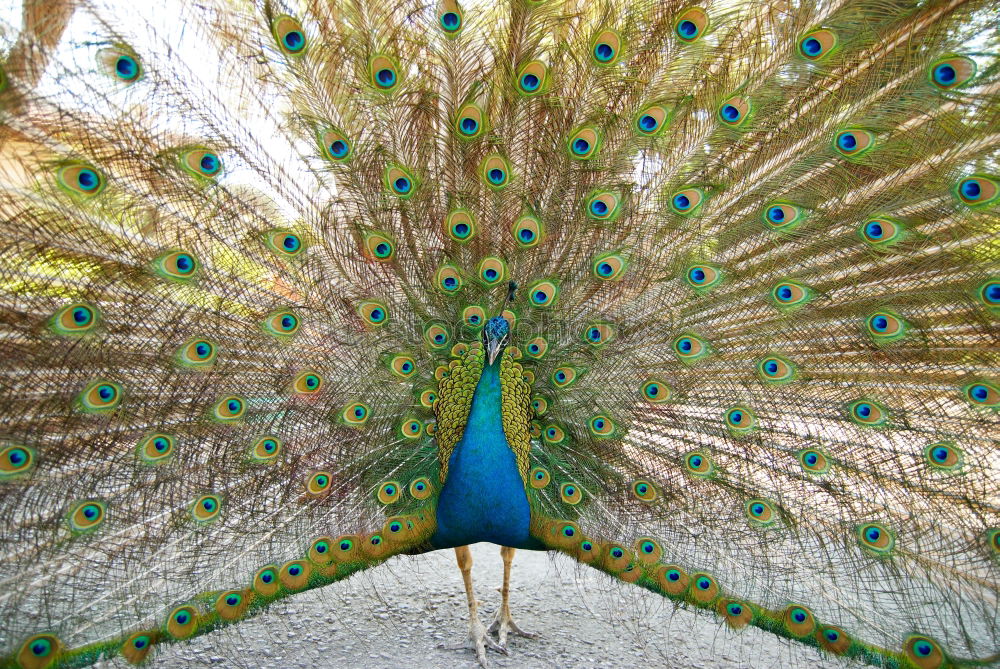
(503, 624)
(482, 640)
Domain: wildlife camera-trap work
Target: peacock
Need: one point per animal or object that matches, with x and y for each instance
(702, 294)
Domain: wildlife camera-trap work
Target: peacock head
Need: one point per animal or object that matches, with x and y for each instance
(496, 336)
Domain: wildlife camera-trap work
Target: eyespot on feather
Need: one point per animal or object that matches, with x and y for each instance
(606, 48)
(951, 72)
(75, 319)
(289, 35)
(202, 163)
(817, 44)
(691, 24)
(121, 63)
(81, 180)
(527, 231)
(335, 145)
(383, 73)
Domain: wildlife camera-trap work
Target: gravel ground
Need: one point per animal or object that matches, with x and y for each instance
(411, 612)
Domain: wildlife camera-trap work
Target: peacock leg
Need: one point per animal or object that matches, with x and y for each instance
(477, 631)
(503, 621)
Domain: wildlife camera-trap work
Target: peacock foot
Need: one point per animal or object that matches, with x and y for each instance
(481, 640)
(503, 624)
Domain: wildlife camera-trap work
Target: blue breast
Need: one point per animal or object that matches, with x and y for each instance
(483, 498)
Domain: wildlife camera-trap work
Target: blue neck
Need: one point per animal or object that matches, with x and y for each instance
(483, 498)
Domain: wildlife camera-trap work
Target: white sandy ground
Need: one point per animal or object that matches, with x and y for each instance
(405, 613)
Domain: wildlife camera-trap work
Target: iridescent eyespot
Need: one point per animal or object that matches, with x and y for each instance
(790, 295)
(460, 226)
(307, 383)
(881, 232)
(570, 493)
(737, 614)
(604, 206)
(924, 652)
(543, 293)
(876, 538)
(735, 111)
(606, 48)
(563, 376)
(644, 490)
(703, 589)
(691, 24)
(474, 316)
(532, 79)
(775, 369)
(378, 246)
(598, 334)
(206, 508)
(355, 414)
(977, 190)
(537, 348)
(698, 464)
(817, 44)
(989, 294)
(853, 142)
(951, 72)
(335, 145)
(427, 399)
(74, 319)
(813, 461)
(38, 652)
(652, 120)
(421, 488)
(15, 461)
(833, 639)
(740, 420)
(539, 405)
(601, 426)
(294, 575)
(120, 63)
(617, 558)
(690, 348)
(866, 412)
(383, 73)
(656, 391)
(197, 353)
(495, 171)
(944, 456)
(100, 396)
(983, 394)
(609, 266)
(373, 313)
(176, 265)
(648, 550)
(400, 182)
(389, 492)
(321, 551)
(437, 336)
(760, 512)
(527, 230)
(86, 516)
(289, 35)
(993, 539)
(137, 647)
(318, 483)
(470, 121)
(703, 278)
(686, 202)
(539, 477)
(201, 163)
(265, 449)
(672, 579)
(182, 622)
(553, 434)
(799, 621)
(80, 180)
(265, 581)
(411, 428)
(584, 143)
(286, 243)
(154, 449)
(450, 18)
(229, 408)
(282, 323)
(232, 604)
(783, 216)
(402, 366)
(448, 279)
(884, 327)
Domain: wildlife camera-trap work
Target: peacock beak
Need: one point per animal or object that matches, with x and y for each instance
(493, 349)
